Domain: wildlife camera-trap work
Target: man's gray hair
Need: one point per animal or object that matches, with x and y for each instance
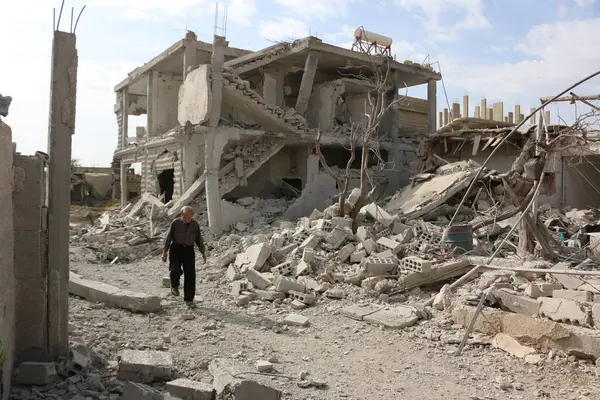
(187, 210)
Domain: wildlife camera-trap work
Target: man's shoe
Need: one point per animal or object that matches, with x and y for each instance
(190, 304)
(175, 291)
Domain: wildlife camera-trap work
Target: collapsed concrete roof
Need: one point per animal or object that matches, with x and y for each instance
(293, 55)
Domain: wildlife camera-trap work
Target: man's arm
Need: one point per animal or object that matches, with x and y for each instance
(169, 237)
(200, 241)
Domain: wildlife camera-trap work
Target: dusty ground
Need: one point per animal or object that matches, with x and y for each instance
(356, 360)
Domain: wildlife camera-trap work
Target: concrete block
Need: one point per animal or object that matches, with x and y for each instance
(112, 296)
(562, 310)
(192, 390)
(370, 246)
(77, 361)
(285, 284)
(344, 253)
(233, 273)
(575, 295)
(144, 366)
(228, 386)
(277, 240)
(31, 326)
(308, 255)
(297, 305)
(399, 227)
(310, 242)
(362, 233)
(384, 244)
(238, 287)
(335, 238)
(312, 285)
(257, 279)
(254, 257)
(535, 290)
(378, 266)
(139, 391)
(508, 344)
(296, 320)
(29, 191)
(303, 268)
(359, 312)
(263, 366)
(379, 214)
(36, 373)
(305, 298)
(166, 282)
(357, 256)
(269, 295)
(393, 318)
(516, 303)
(285, 268)
(415, 264)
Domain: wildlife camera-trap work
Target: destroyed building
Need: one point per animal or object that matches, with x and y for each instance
(264, 108)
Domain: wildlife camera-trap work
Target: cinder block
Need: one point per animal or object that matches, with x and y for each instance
(399, 227)
(31, 327)
(575, 295)
(144, 366)
(238, 287)
(29, 192)
(166, 282)
(384, 233)
(188, 389)
(379, 214)
(357, 256)
(378, 266)
(28, 261)
(415, 264)
(277, 240)
(384, 244)
(563, 310)
(138, 391)
(296, 320)
(36, 373)
(535, 289)
(257, 279)
(345, 252)
(305, 298)
(27, 218)
(370, 246)
(308, 255)
(303, 268)
(335, 238)
(285, 284)
(285, 268)
(269, 295)
(310, 242)
(233, 273)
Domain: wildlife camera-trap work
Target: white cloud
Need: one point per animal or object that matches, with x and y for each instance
(146, 9)
(554, 56)
(585, 3)
(323, 9)
(435, 10)
(282, 29)
(241, 11)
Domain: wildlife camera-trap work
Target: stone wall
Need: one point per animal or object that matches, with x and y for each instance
(7, 290)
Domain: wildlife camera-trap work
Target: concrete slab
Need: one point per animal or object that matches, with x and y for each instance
(517, 303)
(254, 257)
(393, 318)
(296, 320)
(359, 312)
(195, 97)
(188, 389)
(227, 386)
(563, 310)
(112, 296)
(508, 344)
(139, 391)
(144, 366)
(575, 295)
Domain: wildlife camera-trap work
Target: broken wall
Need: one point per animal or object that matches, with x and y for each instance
(165, 101)
(412, 116)
(30, 259)
(7, 282)
(582, 181)
(157, 160)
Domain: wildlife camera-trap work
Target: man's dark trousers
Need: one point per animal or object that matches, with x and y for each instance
(183, 256)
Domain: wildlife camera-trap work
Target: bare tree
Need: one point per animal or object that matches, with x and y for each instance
(365, 134)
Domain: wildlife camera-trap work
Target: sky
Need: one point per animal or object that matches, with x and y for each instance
(514, 51)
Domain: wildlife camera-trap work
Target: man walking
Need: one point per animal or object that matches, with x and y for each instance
(179, 243)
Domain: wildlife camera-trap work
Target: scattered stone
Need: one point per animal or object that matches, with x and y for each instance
(188, 389)
(144, 366)
(263, 366)
(398, 317)
(230, 383)
(138, 391)
(511, 346)
(296, 320)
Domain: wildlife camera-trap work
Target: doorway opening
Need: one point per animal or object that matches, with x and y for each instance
(166, 182)
(296, 183)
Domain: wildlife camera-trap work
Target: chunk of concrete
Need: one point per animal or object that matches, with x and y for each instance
(263, 366)
(195, 97)
(375, 266)
(112, 296)
(296, 320)
(596, 315)
(359, 312)
(257, 279)
(144, 366)
(563, 310)
(575, 295)
(188, 389)
(228, 386)
(36, 373)
(269, 295)
(345, 252)
(504, 342)
(514, 302)
(535, 289)
(539, 333)
(285, 284)
(568, 281)
(393, 318)
(254, 257)
(378, 214)
(139, 391)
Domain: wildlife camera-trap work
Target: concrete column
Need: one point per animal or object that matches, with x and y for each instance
(150, 102)
(125, 116)
(7, 275)
(308, 78)
(312, 167)
(465, 113)
(272, 90)
(440, 119)
(446, 118)
(517, 113)
(477, 112)
(190, 58)
(484, 108)
(63, 90)
(498, 111)
(455, 111)
(123, 181)
(215, 140)
(431, 105)
(191, 151)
